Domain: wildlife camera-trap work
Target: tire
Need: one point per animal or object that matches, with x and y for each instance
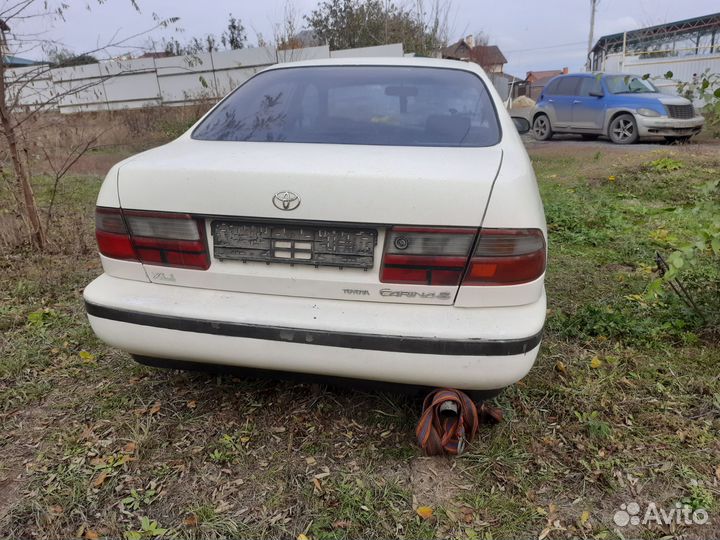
(680, 139)
(623, 129)
(589, 136)
(541, 128)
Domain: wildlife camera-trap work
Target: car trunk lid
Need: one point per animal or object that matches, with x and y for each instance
(262, 202)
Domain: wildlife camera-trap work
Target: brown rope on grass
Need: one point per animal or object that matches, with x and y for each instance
(450, 420)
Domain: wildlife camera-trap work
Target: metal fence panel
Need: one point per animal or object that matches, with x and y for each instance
(177, 80)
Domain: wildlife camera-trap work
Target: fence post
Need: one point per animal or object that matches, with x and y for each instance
(215, 84)
(157, 82)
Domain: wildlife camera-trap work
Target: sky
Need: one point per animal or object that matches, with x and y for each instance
(533, 34)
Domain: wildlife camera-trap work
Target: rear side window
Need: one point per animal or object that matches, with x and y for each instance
(589, 84)
(385, 105)
(567, 86)
(551, 88)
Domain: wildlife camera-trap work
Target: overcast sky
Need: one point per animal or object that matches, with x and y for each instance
(533, 35)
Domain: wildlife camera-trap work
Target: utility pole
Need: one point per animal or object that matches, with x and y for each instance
(593, 8)
(3, 28)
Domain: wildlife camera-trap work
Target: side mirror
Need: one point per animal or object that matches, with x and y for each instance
(521, 124)
(597, 94)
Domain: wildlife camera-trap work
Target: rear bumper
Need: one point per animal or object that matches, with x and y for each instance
(668, 127)
(469, 348)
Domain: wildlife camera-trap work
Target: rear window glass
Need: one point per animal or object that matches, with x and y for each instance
(567, 86)
(385, 105)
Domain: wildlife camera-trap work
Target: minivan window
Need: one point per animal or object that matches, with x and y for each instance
(567, 86)
(629, 84)
(589, 84)
(551, 88)
(375, 105)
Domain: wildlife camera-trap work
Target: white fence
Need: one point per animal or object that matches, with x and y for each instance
(176, 80)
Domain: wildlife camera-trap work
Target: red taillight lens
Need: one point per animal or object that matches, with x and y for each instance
(152, 237)
(442, 256)
(426, 256)
(507, 257)
(112, 235)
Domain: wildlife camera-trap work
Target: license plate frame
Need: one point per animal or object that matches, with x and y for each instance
(314, 245)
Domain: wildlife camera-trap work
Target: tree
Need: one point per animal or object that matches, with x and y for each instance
(345, 24)
(16, 120)
(234, 37)
(8, 124)
(285, 33)
(62, 57)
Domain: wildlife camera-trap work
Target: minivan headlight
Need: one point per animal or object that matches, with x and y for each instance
(648, 112)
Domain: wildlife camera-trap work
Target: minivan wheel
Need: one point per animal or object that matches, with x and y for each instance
(623, 129)
(542, 130)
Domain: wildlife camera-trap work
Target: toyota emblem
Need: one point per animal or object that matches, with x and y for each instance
(286, 200)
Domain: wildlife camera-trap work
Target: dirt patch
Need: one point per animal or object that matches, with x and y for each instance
(573, 146)
(28, 429)
(11, 480)
(619, 267)
(435, 481)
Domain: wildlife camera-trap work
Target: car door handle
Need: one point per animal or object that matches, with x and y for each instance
(577, 101)
(551, 101)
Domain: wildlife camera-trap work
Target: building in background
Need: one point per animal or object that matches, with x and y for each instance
(534, 82)
(534, 77)
(685, 48)
(490, 57)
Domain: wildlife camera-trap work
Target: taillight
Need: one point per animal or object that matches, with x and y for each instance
(426, 256)
(442, 256)
(152, 237)
(112, 234)
(506, 257)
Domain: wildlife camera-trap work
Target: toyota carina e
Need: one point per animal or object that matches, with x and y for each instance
(373, 218)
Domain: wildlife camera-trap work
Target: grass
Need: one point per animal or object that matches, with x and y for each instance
(622, 405)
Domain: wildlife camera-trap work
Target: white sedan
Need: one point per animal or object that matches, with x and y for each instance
(373, 219)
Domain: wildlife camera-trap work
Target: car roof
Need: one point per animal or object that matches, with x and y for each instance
(596, 73)
(404, 61)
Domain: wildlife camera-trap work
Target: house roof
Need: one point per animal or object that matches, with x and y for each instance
(490, 54)
(543, 74)
(459, 49)
(676, 28)
(543, 81)
(513, 78)
(483, 54)
(16, 61)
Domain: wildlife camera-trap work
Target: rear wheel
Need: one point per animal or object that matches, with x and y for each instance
(678, 139)
(623, 129)
(542, 130)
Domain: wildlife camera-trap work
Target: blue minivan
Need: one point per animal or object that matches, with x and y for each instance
(621, 106)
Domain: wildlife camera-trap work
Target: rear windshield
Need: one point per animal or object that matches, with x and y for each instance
(385, 105)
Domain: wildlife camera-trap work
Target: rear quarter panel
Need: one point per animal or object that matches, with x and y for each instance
(514, 203)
